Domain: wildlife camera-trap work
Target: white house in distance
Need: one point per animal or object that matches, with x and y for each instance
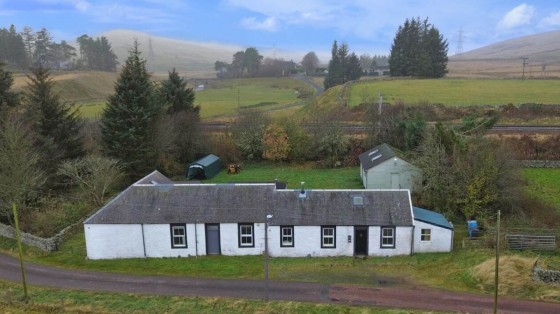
(381, 168)
(156, 217)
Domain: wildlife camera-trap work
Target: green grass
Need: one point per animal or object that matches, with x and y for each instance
(91, 110)
(228, 95)
(457, 92)
(49, 300)
(338, 178)
(544, 184)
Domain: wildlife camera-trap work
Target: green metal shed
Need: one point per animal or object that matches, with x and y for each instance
(204, 168)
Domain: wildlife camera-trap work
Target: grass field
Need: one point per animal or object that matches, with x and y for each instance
(225, 97)
(544, 184)
(456, 92)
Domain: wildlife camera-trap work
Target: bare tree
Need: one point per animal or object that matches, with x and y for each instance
(310, 62)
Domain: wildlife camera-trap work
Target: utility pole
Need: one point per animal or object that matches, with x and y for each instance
(524, 64)
(497, 264)
(18, 237)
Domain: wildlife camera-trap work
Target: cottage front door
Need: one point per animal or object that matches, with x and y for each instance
(361, 240)
(213, 239)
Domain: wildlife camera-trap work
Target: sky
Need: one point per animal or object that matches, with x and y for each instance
(366, 26)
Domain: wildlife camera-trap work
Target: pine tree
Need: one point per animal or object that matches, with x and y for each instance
(8, 98)
(175, 94)
(418, 49)
(343, 66)
(128, 121)
(57, 125)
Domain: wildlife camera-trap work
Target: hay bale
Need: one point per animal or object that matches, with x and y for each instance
(514, 275)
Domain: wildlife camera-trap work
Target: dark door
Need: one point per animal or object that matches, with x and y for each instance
(213, 239)
(361, 241)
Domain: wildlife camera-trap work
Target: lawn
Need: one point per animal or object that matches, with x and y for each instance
(543, 183)
(337, 178)
(456, 92)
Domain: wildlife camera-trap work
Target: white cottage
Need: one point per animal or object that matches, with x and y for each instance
(155, 217)
(381, 168)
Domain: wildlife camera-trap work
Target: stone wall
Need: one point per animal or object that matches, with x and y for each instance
(545, 275)
(45, 244)
(540, 163)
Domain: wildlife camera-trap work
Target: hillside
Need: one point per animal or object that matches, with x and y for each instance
(194, 59)
(504, 59)
(542, 48)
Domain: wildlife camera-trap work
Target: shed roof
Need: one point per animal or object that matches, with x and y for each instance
(431, 217)
(235, 203)
(207, 160)
(376, 156)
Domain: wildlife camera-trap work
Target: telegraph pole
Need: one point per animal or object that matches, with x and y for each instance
(18, 237)
(524, 64)
(497, 265)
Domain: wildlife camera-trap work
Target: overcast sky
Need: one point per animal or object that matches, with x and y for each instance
(367, 26)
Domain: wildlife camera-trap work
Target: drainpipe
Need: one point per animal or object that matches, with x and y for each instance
(196, 239)
(143, 240)
(412, 241)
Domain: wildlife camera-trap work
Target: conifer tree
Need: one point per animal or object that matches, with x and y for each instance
(343, 67)
(128, 121)
(418, 49)
(8, 98)
(57, 125)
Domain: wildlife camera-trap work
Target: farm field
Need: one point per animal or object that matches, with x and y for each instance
(456, 92)
(543, 183)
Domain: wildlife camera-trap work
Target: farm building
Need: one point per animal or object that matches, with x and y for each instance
(204, 168)
(381, 168)
(155, 217)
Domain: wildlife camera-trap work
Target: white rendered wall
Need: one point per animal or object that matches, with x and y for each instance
(104, 241)
(379, 177)
(403, 242)
(441, 238)
(229, 240)
(158, 241)
(307, 242)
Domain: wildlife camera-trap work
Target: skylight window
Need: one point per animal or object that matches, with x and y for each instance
(374, 152)
(358, 200)
(376, 157)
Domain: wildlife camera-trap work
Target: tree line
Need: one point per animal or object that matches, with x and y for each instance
(25, 49)
(47, 149)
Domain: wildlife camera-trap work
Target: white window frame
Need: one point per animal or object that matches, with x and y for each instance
(177, 235)
(246, 235)
(326, 236)
(289, 237)
(388, 237)
(426, 233)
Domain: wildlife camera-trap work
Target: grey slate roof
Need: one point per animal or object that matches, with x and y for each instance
(155, 177)
(431, 217)
(376, 156)
(236, 203)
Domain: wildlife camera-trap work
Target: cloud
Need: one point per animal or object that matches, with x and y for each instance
(269, 24)
(552, 20)
(518, 16)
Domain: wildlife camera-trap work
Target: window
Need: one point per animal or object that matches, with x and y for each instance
(328, 237)
(388, 237)
(246, 235)
(426, 235)
(358, 200)
(287, 236)
(178, 236)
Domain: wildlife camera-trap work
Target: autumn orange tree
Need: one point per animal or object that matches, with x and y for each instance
(276, 146)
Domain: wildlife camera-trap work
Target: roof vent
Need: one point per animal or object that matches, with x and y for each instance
(358, 200)
(302, 193)
(373, 152)
(376, 157)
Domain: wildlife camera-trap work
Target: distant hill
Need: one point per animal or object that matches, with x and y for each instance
(541, 48)
(163, 54)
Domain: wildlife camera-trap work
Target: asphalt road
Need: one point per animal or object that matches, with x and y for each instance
(419, 298)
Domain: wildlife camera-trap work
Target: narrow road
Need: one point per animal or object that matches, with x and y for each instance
(420, 298)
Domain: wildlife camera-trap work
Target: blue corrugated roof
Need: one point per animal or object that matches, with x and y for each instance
(431, 217)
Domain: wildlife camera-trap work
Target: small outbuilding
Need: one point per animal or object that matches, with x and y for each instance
(204, 168)
(382, 168)
(432, 232)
